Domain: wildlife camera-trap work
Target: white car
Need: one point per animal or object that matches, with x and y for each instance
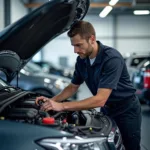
(133, 61)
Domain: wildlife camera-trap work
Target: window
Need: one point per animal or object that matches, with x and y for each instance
(137, 61)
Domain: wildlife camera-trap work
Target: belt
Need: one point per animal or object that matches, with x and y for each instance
(123, 102)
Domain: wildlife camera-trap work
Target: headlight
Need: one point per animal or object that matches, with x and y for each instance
(60, 84)
(75, 144)
(115, 140)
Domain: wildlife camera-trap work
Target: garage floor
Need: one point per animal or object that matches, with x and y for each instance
(145, 141)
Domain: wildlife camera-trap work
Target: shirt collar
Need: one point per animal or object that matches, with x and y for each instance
(99, 55)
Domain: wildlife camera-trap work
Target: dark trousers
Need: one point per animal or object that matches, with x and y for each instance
(129, 122)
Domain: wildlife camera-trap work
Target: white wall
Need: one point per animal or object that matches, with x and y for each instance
(132, 34)
(103, 28)
(1, 14)
(17, 10)
(59, 47)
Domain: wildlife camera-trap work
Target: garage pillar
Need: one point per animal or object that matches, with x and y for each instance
(7, 10)
(114, 31)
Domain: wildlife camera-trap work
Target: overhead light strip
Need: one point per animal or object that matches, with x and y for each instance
(105, 11)
(113, 2)
(141, 12)
(108, 9)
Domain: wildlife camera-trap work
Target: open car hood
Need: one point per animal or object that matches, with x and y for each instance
(20, 41)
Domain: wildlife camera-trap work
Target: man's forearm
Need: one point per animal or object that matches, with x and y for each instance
(85, 104)
(98, 100)
(66, 93)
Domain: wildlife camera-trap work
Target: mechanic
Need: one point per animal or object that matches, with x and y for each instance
(104, 71)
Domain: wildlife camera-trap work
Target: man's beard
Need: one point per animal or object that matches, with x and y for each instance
(88, 52)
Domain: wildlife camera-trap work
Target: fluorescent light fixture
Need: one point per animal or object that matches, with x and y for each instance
(105, 11)
(113, 2)
(141, 12)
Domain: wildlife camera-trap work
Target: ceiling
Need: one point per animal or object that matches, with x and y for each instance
(96, 6)
(122, 7)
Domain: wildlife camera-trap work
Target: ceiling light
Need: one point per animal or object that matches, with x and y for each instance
(113, 2)
(105, 11)
(141, 12)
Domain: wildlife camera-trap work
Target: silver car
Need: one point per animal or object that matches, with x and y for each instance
(32, 78)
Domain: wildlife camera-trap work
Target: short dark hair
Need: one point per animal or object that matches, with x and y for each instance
(83, 28)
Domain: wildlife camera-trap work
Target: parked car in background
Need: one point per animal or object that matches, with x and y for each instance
(141, 81)
(133, 61)
(49, 67)
(32, 78)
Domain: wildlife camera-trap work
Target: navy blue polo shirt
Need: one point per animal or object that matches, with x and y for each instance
(108, 71)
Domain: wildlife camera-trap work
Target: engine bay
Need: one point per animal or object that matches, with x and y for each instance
(19, 106)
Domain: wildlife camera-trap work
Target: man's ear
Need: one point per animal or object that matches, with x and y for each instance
(92, 39)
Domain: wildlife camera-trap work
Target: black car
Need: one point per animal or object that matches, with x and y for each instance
(22, 125)
(141, 81)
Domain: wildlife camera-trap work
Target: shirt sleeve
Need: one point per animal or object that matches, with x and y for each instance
(77, 78)
(111, 73)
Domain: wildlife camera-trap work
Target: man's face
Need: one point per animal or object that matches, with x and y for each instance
(81, 46)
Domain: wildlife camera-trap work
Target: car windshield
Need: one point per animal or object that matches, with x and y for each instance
(3, 83)
(138, 60)
(4, 86)
(51, 65)
(32, 68)
(144, 64)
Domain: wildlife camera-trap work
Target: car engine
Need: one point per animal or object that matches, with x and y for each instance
(19, 106)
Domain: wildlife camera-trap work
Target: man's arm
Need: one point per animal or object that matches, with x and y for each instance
(98, 100)
(66, 93)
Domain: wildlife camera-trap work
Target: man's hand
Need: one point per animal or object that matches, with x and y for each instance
(52, 105)
(49, 104)
(44, 99)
